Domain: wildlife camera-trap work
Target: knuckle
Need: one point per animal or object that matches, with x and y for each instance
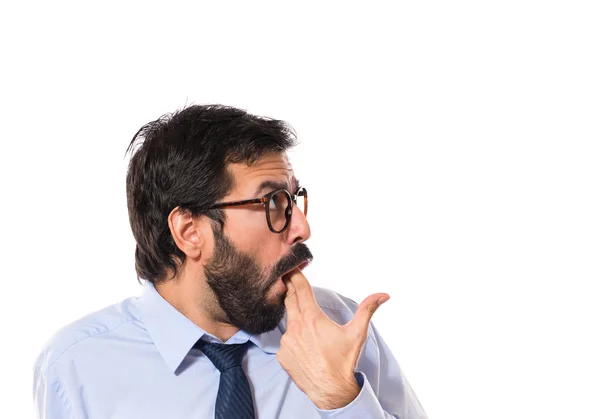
(292, 327)
(308, 317)
(287, 340)
(301, 289)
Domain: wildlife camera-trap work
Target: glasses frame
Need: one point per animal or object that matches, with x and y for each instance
(264, 200)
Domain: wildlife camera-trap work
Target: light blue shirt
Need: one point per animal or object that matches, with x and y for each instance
(135, 359)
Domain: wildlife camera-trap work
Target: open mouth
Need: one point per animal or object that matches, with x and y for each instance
(301, 266)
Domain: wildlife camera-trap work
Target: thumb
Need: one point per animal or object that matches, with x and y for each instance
(365, 311)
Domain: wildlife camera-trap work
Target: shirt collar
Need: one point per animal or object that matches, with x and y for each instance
(174, 334)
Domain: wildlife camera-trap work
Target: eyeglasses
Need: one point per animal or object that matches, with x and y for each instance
(278, 206)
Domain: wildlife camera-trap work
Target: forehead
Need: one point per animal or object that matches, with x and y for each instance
(273, 166)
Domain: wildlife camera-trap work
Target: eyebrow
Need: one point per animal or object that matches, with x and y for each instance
(273, 185)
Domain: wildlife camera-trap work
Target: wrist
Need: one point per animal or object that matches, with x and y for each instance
(340, 396)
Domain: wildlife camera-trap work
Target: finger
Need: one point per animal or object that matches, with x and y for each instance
(360, 322)
(291, 300)
(306, 296)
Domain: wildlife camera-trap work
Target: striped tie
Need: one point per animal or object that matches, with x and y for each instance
(234, 399)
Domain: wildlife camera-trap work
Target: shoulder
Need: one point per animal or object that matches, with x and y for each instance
(335, 305)
(67, 341)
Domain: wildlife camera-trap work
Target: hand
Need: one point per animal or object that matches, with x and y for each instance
(319, 355)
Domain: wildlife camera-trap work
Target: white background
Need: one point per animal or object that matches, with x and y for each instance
(451, 151)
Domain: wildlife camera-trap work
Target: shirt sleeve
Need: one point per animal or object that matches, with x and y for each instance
(385, 393)
(49, 398)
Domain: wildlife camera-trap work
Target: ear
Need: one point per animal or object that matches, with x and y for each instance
(187, 232)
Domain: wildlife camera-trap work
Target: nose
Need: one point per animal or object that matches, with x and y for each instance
(299, 229)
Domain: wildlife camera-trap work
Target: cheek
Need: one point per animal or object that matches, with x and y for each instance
(248, 221)
(263, 246)
(248, 230)
(265, 250)
(251, 235)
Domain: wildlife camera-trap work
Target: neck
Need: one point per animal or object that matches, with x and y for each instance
(191, 301)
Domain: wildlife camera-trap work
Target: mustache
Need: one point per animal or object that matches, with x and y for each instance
(298, 254)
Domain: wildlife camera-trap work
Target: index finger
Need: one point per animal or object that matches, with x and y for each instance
(291, 300)
(304, 292)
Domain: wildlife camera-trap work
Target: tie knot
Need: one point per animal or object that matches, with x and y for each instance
(221, 355)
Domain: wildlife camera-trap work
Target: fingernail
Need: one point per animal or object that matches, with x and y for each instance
(383, 299)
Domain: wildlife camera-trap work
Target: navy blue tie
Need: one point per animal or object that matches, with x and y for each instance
(234, 399)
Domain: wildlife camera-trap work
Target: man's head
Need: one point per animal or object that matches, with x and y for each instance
(191, 160)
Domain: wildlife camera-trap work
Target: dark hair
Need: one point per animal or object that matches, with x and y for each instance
(181, 160)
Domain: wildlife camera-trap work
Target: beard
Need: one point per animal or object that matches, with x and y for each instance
(241, 286)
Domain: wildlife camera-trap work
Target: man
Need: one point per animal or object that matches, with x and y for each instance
(226, 326)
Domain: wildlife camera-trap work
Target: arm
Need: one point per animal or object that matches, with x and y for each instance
(49, 398)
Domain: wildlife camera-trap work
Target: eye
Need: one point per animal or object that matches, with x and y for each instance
(278, 201)
(273, 202)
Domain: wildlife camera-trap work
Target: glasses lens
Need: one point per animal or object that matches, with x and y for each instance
(277, 210)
